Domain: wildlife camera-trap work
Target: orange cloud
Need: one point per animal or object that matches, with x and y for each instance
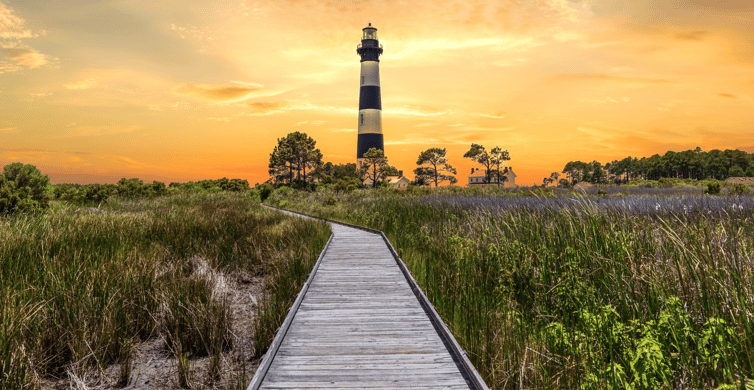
(26, 57)
(12, 26)
(727, 95)
(697, 35)
(83, 84)
(267, 108)
(608, 79)
(217, 93)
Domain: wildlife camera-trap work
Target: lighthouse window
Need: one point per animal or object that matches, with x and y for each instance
(362, 80)
(361, 117)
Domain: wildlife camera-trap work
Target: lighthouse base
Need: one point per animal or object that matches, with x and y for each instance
(367, 141)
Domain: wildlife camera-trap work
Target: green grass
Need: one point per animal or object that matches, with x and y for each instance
(82, 285)
(636, 292)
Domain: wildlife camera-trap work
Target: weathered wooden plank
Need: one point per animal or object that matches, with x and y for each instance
(359, 325)
(421, 382)
(421, 358)
(363, 386)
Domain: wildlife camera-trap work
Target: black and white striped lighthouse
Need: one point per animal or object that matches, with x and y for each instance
(370, 103)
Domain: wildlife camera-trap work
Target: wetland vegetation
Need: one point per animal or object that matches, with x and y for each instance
(82, 283)
(621, 287)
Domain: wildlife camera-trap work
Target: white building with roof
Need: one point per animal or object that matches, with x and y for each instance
(479, 177)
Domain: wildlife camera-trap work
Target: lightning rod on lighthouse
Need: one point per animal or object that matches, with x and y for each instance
(370, 102)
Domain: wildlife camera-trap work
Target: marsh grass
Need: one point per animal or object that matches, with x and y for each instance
(79, 286)
(637, 291)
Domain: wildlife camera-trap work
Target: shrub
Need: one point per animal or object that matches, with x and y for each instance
(131, 187)
(712, 188)
(347, 184)
(739, 189)
(329, 201)
(23, 188)
(94, 193)
(601, 192)
(64, 191)
(265, 190)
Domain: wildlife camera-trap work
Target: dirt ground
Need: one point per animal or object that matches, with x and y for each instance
(153, 367)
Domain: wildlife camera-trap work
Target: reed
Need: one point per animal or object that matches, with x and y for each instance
(628, 291)
(80, 285)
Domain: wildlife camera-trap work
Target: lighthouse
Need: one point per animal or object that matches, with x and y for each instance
(370, 102)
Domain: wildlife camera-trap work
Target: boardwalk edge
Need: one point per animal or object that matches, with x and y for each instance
(467, 368)
(268, 357)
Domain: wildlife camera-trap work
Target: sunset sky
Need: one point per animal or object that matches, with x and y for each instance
(178, 90)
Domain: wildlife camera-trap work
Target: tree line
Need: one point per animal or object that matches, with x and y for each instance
(296, 162)
(23, 188)
(690, 164)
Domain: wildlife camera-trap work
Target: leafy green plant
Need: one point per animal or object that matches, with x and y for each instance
(739, 189)
(23, 188)
(713, 188)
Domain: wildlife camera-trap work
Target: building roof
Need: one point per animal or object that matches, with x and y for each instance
(740, 180)
(397, 179)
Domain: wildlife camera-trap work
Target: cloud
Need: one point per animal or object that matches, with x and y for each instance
(95, 131)
(496, 115)
(343, 130)
(217, 93)
(603, 78)
(19, 55)
(8, 130)
(267, 108)
(130, 162)
(83, 84)
(697, 35)
(12, 26)
(727, 95)
(25, 56)
(415, 110)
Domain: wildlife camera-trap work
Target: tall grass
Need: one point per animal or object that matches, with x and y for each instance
(79, 286)
(629, 292)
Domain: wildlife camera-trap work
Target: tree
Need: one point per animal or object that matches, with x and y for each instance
(294, 159)
(549, 180)
(281, 166)
(478, 154)
(498, 157)
(23, 188)
(328, 172)
(434, 167)
(375, 167)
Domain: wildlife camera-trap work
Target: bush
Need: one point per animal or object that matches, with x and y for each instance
(23, 188)
(64, 191)
(712, 188)
(739, 189)
(265, 190)
(347, 184)
(94, 193)
(330, 201)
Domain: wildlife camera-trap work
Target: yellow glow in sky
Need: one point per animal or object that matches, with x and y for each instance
(178, 90)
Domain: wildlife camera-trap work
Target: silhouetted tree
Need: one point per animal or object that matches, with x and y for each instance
(478, 154)
(374, 166)
(294, 159)
(498, 157)
(434, 167)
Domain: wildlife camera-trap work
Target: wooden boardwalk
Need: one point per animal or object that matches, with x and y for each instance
(359, 325)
